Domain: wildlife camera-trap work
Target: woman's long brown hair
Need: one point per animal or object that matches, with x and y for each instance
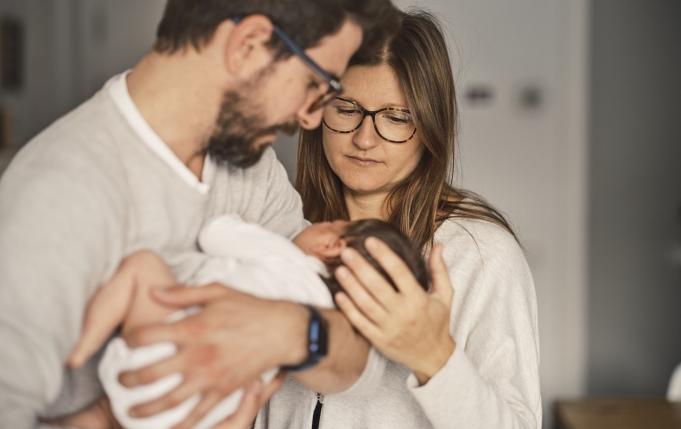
(417, 52)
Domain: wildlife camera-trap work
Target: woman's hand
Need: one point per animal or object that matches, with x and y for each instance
(410, 325)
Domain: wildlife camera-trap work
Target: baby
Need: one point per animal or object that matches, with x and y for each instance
(239, 255)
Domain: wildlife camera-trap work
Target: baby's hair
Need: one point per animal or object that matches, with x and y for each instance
(356, 234)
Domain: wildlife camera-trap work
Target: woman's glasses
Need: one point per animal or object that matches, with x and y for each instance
(346, 116)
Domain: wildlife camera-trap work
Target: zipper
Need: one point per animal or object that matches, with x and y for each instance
(316, 415)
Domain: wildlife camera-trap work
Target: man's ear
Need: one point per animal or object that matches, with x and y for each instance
(244, 45)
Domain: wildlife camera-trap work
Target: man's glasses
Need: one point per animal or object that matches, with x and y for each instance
(335, 87)
(346, 116)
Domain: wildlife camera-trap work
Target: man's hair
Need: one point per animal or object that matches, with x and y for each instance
(355, 236)
(192, 23)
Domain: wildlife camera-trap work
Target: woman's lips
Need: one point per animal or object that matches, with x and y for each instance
(364, 162)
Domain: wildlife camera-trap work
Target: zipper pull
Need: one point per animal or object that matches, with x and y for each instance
(317, 413)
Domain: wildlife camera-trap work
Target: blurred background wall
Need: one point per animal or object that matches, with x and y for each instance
(521, 72)
(634, 229)
(569, 124)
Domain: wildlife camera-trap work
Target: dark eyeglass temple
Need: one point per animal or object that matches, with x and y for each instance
(334, 83)
(298, 51)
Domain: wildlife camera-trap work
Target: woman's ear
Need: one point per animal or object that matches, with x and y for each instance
(244, 45)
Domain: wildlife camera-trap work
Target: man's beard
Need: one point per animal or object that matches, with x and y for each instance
(236, 130)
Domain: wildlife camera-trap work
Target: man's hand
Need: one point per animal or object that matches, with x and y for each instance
(96, 416)
(229, 343)
(100, 416)
(254, 398)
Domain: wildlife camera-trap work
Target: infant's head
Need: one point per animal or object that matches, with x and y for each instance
(326, 240)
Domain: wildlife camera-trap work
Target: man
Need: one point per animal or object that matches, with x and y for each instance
(127, 170)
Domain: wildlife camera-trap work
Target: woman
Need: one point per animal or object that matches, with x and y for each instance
(386, 150)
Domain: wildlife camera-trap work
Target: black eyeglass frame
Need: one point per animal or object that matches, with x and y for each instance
(372, 113)
(335, 87)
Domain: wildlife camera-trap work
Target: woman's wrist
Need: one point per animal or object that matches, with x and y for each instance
(435, 361)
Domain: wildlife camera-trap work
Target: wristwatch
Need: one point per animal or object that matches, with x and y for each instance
(317, 341)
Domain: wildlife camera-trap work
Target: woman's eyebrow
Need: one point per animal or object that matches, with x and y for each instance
(398, 106)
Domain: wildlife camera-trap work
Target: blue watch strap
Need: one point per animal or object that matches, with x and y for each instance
(317, 341)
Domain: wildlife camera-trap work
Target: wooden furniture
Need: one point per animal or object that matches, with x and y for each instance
(618, 413)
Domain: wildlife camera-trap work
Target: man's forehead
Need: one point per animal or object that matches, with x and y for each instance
(334, 51)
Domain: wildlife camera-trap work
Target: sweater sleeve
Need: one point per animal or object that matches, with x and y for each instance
(273, 201)
(371, 377)
(61, 233)
(491, 380)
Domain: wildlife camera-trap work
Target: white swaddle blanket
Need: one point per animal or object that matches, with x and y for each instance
(239, 255)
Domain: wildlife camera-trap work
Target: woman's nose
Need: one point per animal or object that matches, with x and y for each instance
(365, 137)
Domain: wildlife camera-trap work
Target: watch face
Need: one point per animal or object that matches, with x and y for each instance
(317, 336)
(319, 348)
